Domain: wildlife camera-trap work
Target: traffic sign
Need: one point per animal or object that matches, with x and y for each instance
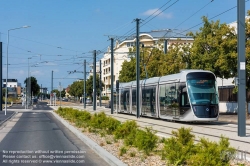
(60, 88)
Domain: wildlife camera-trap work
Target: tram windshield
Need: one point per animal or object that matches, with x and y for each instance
(202, 91)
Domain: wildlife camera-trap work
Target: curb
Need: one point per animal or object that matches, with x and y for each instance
(109, 158)
(5, 120)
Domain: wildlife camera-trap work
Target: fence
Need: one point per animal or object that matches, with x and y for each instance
(226, 94)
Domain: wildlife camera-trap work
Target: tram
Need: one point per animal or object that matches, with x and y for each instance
(191, 95)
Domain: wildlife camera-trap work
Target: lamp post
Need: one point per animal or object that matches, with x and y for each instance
(27, 84)
(6, 82)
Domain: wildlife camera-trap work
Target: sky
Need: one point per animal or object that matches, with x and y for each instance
(63, 33)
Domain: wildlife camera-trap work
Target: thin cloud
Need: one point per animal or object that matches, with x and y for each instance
(158, 13)
(37, 73)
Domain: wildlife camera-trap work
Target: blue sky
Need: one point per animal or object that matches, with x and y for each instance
(65, 32)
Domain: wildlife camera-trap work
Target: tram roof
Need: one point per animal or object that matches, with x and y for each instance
(179, 77)
(150, 81)
(125, 84)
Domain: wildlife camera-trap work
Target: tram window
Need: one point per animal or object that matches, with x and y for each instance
(171, 93)
(184, 99)
(125, 99)
(162, 95)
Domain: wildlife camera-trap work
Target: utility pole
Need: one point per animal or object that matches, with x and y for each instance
(241, 68)
(100, 84)
(94, 81)
(51, 81)
(84, 83)
(165, 46)
(51, 94)
(137, 69)
(60, 89)
(112, 76)
(1, 73)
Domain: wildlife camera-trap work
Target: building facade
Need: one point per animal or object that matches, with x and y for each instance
(121, 52)
(14, 88)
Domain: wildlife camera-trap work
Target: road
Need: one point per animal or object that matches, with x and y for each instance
(37, 137)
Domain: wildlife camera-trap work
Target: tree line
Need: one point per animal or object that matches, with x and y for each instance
(214, 48)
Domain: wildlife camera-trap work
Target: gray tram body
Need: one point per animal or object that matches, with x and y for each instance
(191, 95)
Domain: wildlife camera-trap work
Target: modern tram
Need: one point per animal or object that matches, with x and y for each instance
(191, 95)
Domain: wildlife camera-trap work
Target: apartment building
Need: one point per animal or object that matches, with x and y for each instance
(121, 51)
(14, 88)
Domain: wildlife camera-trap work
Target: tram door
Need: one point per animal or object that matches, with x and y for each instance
(184, 100)
(115, 101)
(148, 101)
(169, 100)
(134, 100)
(125, 100)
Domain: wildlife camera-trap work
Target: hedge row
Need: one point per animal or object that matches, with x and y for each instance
(179, 149)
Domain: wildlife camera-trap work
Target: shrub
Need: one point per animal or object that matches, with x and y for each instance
(125, 129)
(212, 153)
(111, 124)
(105, 98)
(98, 120)
(145, 140)
(132, 154)
(83, 119)
(180, 147)
(108, 142)
(122, 151)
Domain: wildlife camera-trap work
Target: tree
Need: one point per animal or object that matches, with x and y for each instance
(3, 91)
(89, 85)
(35, 88)
(76, 89)
(58, 92)
(150, 58)
(248, 50)
(215, 49)
(128, 71)
(176, 59)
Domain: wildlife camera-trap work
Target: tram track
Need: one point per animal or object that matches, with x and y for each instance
(175, 128)
(212, 137)
(161, 133)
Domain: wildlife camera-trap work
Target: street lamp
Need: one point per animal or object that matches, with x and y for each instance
(6, 82)
(28, 85)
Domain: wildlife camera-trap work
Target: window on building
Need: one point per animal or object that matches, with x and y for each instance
(130, 44)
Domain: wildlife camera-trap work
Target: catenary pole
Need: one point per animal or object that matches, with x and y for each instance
(100, 83)
(1, 72)
(165, 46)
(51, 81)
(94, 82)
(137, 69)
(241, 68)
(51, 97)
(84, 83)
(112, 75)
